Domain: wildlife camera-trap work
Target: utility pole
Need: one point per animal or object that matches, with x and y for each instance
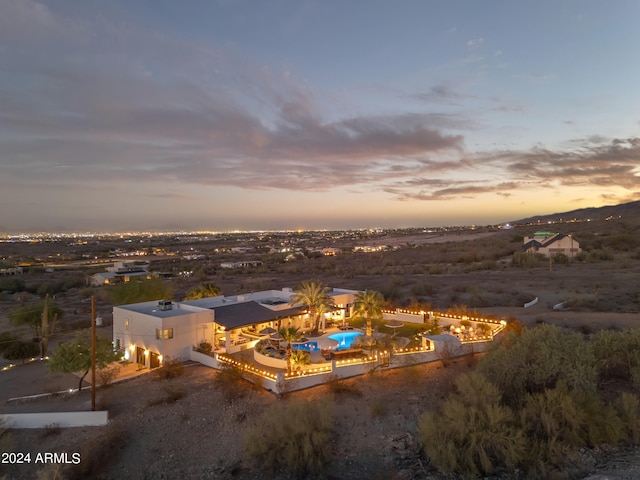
(44, 329)
(93, 353)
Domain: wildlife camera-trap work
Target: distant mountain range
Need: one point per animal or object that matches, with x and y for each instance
(629, 211)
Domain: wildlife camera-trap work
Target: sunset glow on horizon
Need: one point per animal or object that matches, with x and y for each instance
(222, 115)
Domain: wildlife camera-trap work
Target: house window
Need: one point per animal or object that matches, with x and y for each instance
(165, 334)
(126, 325)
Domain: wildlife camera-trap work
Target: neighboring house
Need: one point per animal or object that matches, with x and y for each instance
(121, 272)
(549, 243)
(150, 331)
(11, 271)
(243, 264)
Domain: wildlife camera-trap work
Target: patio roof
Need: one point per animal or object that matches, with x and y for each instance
(238, 315)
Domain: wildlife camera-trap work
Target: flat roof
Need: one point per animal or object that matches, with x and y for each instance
(152, 309)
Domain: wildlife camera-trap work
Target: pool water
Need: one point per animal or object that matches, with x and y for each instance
(344, 339)
(308, 346)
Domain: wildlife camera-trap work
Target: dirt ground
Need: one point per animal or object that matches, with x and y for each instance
(193, 427)
(375, 420)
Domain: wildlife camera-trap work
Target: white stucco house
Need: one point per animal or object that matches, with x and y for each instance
(120, 272)
(148, 332)
(242, 264)
(549, 243)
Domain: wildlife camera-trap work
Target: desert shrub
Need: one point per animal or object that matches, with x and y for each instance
(50, 288)
(422, 289)
(294, 435)
(11, 284)
(559, 421)
(100, 451)
(55, 471)
(341, 387)
(6, 339)
(560, 259)
(528, 260)
(595, 256)
(473, 434)
(107, 375)
(379, 407)
(169, 395)
(19, 350)
(50, 430)
(436, 270)
(538, 359)
(514, 327)
(483, 328)
(617, 353)
(635, 376)
(205, 347)
(170, 368)
(578, 303)
(231, 382)
(628, 407)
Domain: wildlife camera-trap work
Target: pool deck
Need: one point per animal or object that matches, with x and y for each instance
(246, 356)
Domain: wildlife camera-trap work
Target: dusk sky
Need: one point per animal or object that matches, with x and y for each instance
(265, 115)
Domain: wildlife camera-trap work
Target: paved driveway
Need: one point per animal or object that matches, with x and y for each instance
(31, 379)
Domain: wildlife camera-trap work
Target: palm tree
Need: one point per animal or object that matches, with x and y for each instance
(315, 295)
(203, 291)
(368, 304)
(289, 334)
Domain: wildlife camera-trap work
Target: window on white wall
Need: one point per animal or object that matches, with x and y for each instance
(164, 334)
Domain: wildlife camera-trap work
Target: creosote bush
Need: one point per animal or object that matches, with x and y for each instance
(533, 404)
(628, 407)
(230, 380)
(169, 396)
(558, 422)
(107, 375)
(171, 368)
(338, 386)
(538, 359)
(292, 435)
(617, 354)
(100, 452)
(474, 434)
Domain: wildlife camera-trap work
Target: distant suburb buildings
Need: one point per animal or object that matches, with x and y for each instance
(549, 243)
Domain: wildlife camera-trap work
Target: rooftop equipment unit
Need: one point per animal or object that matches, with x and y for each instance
(164, 305)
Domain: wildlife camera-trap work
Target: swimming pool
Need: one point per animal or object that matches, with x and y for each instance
(308, 346)
(344, 339)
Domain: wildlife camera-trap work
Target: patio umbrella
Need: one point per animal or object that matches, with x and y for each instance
(325, 343)
(268, 331)
(394, 324)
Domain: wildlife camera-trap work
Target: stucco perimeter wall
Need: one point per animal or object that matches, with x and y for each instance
(398, 361)
(204, 359)
(403, 317)
(57, 419)
(269, 361)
